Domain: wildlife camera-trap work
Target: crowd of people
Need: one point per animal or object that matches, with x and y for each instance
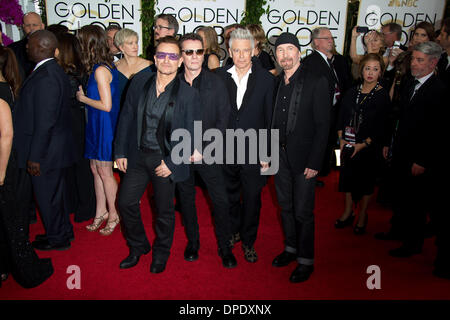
(72, 106)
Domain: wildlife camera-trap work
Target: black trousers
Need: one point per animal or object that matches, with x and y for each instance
(212, 176)
(410, 206)
(296, 198)
(133, 186)
(81, 192)
(247, 182)
(50, 189)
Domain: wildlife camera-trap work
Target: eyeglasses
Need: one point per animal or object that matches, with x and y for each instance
(190, 52)
(159, 27)
(162, 55)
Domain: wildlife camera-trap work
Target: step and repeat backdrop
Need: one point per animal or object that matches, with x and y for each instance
(296, 16)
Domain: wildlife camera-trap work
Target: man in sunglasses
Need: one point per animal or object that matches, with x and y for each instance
(155, 106)
(215, 109)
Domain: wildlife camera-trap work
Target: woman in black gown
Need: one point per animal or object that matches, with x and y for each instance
(360, 131)
(17, 256)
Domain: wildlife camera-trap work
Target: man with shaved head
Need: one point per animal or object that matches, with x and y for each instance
(31, 23)
(43, 138)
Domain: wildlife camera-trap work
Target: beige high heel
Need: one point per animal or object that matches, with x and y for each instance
(97, 222)
(110, 226)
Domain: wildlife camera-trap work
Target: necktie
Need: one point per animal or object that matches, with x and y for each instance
(412, 89)
(337, 92)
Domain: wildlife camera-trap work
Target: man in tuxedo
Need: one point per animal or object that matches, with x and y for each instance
(415, 150)
(155, 106)
(111, 31)
(302, 116)
(392, 32)
(215, 111)
(31, 23)
(324, 61)
(43, 138)
(250, 90)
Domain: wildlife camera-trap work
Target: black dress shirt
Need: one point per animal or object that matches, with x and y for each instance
(154, 111)
(283, 102)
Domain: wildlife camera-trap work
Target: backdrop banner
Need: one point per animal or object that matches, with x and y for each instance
(407, 13)
(74, 14)
(300, 17)
(192, 14)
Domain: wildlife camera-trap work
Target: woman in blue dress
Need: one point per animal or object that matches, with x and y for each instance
(103, 103)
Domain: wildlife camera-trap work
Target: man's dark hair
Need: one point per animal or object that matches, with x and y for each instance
(57, 29)
(168, 39)
(113, 27)
(173, 23)
(190, 36)
(446, 25)
(395, 28)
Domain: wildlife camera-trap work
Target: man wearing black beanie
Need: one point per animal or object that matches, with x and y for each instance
(301, 114)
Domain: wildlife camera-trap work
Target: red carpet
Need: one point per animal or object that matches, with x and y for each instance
(341, 263)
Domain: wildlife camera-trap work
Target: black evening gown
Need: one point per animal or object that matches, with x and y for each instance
(17, 256)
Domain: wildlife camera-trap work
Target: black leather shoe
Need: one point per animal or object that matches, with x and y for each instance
(387, 236)
(404, 252)
(301, 273)
(129, 261)
(191, 252)
(442, 273)
(157, 267)
(284, 259)
(46, 246)
(228, 258)
(43, 237)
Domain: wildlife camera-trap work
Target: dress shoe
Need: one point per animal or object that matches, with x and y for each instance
(404, 252)
(228, 259)
(339, 224)
(191, 252)
(157, 267)
(250, 253)
(442, 273)
(387, 236)
(46, 246)
(43, 237)
(284, 259)
(301, 273)
(129, 261)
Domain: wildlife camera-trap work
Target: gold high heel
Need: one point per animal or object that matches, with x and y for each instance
(110, 226)
(97, 222)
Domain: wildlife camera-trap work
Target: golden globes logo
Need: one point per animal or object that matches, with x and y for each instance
(402, 3)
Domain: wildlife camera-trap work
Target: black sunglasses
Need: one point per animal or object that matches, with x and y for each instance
(190, 52)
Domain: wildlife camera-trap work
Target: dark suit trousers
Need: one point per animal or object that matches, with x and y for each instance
(134, 184)
(50, 189)
(212, 176)
(296, 198)
(410, 206)
(245, 181)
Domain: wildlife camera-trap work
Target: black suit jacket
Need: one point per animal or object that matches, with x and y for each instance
(308, 122)
(315, 63)
(256, 109)
(421, 125)
(443, 71)
(129, 128)
(42, 121)
(20, 50)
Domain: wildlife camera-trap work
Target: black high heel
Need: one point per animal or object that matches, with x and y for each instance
(339, 224)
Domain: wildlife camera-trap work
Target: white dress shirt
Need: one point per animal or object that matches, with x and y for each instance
(241, 85)
(40, 63)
